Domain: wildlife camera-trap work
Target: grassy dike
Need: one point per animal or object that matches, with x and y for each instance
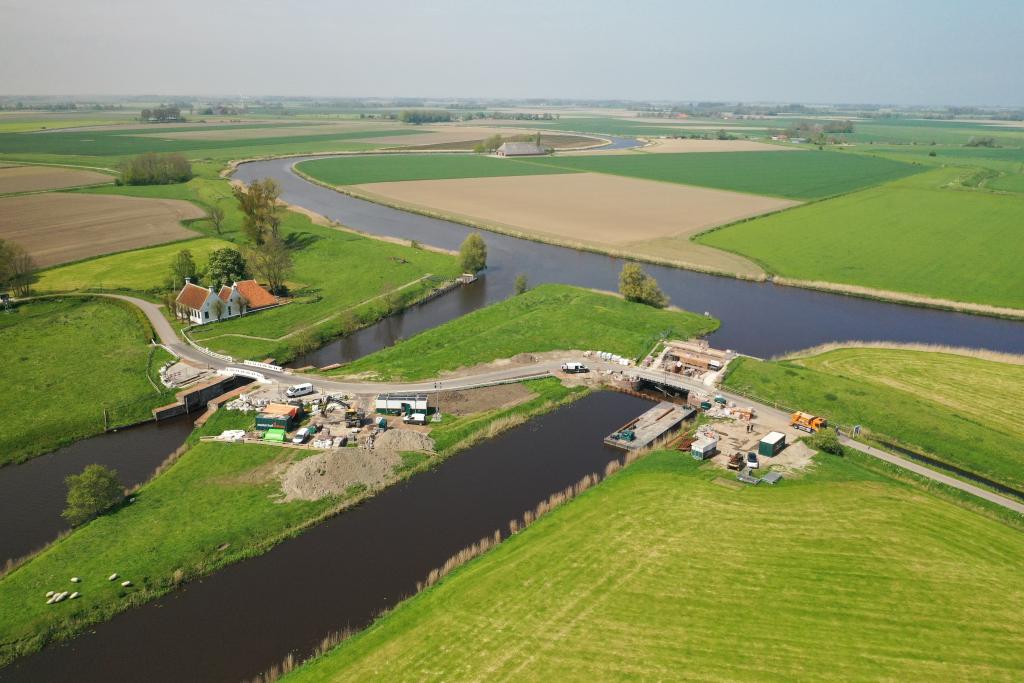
(953, 408)
(72, 359)
(549, 317)
(659, 571)
(216, 504)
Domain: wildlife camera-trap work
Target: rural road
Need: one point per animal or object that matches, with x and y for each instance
(170, 339)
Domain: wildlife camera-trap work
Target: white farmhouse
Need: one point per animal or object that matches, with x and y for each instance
(203, 305)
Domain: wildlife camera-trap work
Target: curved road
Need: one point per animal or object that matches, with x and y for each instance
(170, 340)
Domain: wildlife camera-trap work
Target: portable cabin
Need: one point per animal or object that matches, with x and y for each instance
(278, 416)
(703, 448)
(277, 435)
(771, 444)
(399, 404)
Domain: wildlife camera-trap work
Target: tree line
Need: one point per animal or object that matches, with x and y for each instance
(155, 169)
(161, 114)
(418, 116)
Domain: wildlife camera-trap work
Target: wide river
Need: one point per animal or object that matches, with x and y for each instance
(759, 319)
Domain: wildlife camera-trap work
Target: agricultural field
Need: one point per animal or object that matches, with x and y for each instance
(660, 571)
(358, 170)
(808, 175)
(139, 271)
(35, 178)
(914, 236)
(58, 227)
(1010, 182)
(690, 145)
(557, 141)
(58, 352)
(547, 318)
(590, 210)
(957, 409)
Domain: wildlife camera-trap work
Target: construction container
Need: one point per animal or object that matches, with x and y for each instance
(703, 448)
(770, 445)
(277, 435)
(279, 416)
(398, 404)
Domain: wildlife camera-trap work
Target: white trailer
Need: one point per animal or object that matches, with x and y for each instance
(401, 403)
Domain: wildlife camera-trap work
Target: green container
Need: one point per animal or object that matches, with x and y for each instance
(278, 435)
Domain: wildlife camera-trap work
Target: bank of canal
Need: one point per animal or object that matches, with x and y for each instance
(342, 573)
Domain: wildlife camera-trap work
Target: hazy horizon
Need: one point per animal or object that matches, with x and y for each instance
(911, 53)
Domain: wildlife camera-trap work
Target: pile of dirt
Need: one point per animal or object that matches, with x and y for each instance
(332, 472)
(473, 401)
(403, 440)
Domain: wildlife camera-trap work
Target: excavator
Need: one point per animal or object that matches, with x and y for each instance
(807, 422)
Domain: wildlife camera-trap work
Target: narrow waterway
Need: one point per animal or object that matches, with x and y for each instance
(32, 494)
(759, 319)
(342, 573)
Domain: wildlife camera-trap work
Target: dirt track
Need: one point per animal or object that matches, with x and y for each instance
(33, 178)
(58, 228)
(591, 209)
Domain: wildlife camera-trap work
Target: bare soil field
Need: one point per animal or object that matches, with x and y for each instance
(59, 228)
(33, 178)
(473, 401)
(609, 213)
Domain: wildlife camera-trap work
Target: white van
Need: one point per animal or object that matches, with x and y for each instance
(415, 419)
(574, 367)
(299, 390)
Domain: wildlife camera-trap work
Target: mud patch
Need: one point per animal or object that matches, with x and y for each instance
(473, 401)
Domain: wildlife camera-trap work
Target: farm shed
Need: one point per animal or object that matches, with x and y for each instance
(396, 404)
(520, 149)
(771, 445)
(278, 415)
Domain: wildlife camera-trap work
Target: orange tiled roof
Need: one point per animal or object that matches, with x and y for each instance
(225, 293)
(256, 296)
(192, 296)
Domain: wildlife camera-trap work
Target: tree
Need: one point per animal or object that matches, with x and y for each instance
(522, 285)
(828, 441)
(90, 493)
(217, 309)
(225, 266)
(156, 169)
(183, 266)
(273, 262)
(261, 212)
(473, 254)
(17, 268)
(216, 218)
(636, 285)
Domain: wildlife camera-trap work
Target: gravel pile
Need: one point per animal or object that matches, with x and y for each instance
(403, 440)
(332, 472)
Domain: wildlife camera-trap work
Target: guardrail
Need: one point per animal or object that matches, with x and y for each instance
(265, 366)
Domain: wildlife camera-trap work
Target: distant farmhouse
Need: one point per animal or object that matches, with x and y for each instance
(520, 149)
(202, 305)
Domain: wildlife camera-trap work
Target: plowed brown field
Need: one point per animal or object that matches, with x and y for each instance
(33, 178)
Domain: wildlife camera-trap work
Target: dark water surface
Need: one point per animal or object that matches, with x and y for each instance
(33, 493)
(248, 616)
(760, 319)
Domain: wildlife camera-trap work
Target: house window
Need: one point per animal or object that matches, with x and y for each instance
(229, 310)
(206, 314)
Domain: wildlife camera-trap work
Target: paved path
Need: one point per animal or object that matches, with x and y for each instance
(489, 377)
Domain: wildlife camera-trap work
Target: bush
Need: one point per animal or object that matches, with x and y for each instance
(522, 285)
(827, 441)
(93, 491)
(156, 169)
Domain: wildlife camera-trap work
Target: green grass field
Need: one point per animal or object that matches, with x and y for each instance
(807, 175)
(956, 409)
(1011, 182)
(909, 236)
(661, 574)
(141, 270)
(389, 168)
(67, 361)
(547, 318)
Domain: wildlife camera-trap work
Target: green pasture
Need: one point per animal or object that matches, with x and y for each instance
(914, 236)
(660, 573)
(66, 361)
(547, 318)
(388, 168)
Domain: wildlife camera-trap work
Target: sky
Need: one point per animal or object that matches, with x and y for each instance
(928, 52)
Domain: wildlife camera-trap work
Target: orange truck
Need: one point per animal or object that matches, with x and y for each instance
(807, 422)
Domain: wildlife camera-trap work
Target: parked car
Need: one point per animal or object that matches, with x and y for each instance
(574, 367)
(299, 390)
(303, 435)
(415, 419)
(752, 461)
